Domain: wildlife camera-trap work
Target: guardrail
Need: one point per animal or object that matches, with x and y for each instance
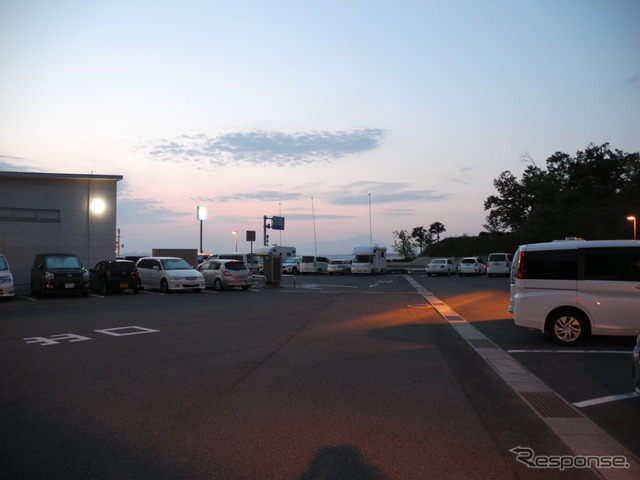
(262, 280)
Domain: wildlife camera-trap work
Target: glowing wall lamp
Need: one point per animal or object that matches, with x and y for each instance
(631, 218)
(98, 205)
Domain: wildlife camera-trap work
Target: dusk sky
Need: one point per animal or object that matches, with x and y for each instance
(402, 112)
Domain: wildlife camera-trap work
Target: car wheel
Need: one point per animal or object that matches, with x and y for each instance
(217, 285)
(103, 289)
(246, 288)
(164, 286)
(568, 327)
(294, 270)
(43, 291)
(136, 291)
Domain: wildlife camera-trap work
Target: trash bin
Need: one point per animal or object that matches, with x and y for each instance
(273, 269)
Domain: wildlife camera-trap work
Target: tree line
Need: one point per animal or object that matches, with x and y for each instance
(405, 243)
(589, 195)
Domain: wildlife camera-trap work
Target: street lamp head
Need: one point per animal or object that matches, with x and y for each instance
(631, 218)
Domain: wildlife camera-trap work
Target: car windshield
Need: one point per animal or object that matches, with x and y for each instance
(363, 259)
(175, 264)
(60, 261)
(290, 260)
(235, 266)
(307, 259)
(336, 262)
(439, 260)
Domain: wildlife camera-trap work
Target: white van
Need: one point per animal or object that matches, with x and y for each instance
(499, 264)
(249, 259)
(311, 264)
(574, 288)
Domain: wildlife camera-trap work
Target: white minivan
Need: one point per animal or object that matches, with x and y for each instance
(311, 264)
(575, 288)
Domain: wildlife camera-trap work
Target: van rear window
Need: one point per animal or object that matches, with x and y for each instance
(551, 265)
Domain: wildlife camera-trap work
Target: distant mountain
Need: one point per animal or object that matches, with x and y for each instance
(338, 247)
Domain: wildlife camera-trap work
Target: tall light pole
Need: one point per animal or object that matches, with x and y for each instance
(201, 212)
(315, 238)
(632, 218)
(235, 232)
(370, 232)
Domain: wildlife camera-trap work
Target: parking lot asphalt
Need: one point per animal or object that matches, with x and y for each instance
(336, 378)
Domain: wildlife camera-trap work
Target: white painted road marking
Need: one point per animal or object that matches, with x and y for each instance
(117, 332)
(56, 339)
(72, 337)
(607, 399)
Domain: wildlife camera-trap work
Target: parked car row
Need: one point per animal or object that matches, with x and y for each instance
(57, 273)
(496, 264)
(315, 264)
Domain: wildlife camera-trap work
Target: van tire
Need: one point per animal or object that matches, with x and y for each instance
(568, 326)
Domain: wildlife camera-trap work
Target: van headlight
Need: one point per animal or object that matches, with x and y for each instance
(6, 279)
(48, 276)
(85, 276)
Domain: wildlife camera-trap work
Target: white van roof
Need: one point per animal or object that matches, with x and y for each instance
(579, 243)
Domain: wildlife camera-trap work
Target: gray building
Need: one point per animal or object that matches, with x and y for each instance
(56, 213)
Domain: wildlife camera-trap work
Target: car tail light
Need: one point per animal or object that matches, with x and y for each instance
(226, 273)
(520, 273)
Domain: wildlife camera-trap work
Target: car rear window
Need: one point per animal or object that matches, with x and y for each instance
(497, 257)
(124, 267)
(235, 266)
(307, 259)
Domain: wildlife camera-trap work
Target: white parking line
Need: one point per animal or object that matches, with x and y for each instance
(624, 352)
(607, 399)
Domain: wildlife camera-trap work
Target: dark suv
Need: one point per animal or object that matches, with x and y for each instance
(58, 273)
(114, 276)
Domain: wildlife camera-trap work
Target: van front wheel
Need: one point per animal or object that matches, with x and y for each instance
(568, 327)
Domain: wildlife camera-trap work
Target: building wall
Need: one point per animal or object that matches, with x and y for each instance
(51, 213)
